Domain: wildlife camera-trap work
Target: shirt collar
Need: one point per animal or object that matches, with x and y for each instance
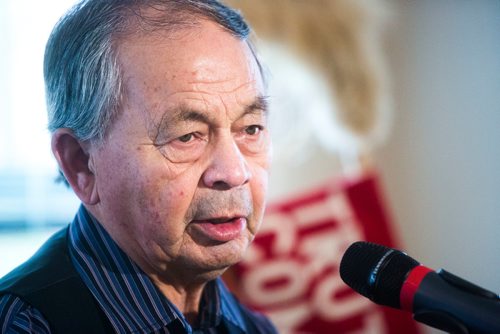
(127, 296)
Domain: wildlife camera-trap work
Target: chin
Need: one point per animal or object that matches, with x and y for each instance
(220, 257)
(209, 272)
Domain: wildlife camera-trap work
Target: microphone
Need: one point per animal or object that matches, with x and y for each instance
(439, 299)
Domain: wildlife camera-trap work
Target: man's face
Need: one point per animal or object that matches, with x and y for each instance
(182, 175)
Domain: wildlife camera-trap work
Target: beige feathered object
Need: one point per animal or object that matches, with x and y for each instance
(342, 39)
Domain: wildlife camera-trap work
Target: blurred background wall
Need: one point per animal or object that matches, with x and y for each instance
(441, 165)
(32, 205)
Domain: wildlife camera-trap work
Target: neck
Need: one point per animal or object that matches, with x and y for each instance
(186, 298)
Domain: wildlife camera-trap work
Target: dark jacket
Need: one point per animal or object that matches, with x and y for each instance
(49, 282)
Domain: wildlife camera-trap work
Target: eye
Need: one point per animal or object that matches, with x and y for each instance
(186, 138)
(253, 130)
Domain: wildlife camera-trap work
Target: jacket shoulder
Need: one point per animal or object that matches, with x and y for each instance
(48, 266)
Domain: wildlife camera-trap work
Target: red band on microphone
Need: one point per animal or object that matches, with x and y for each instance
(411, 285)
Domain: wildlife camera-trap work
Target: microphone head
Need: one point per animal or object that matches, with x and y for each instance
(376, 272)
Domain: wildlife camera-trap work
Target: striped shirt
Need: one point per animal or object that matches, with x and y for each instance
(131, 302)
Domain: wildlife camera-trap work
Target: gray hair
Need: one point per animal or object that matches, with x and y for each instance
(83, 81)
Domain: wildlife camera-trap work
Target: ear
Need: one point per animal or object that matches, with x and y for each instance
(75, 163)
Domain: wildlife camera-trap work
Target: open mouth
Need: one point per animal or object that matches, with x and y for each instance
(221, 220)
(220, 229)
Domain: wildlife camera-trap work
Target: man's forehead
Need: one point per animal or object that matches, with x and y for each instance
(256, 105)
(187, 112)
(202, 51)
(208, 62)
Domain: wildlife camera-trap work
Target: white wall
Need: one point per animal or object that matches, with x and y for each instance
(442, 164)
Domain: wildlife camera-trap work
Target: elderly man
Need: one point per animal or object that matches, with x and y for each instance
(159, 124)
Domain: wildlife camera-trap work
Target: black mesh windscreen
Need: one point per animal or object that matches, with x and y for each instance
(376, 272)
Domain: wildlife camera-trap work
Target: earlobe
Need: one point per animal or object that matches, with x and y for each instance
(75, 162)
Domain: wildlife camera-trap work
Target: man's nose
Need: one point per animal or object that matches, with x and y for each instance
(228, 167)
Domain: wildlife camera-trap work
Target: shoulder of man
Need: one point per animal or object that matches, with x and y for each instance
(17, 316)
(42, 270)
(47, 286)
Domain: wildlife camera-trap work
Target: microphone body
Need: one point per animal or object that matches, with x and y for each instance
(439, 299)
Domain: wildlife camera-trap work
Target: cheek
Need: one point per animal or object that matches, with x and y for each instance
(163, 200)
(113, 182)
(260, 172)
(166, 198)
(160, 214)
(144, 190)
(259, 191)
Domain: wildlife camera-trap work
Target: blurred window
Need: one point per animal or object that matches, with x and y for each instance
(30, 199)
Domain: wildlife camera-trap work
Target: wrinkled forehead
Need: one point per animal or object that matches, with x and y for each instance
(204, 54)
(162, 24)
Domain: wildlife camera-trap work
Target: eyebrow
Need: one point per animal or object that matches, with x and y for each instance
(184, 113)
(261, 103)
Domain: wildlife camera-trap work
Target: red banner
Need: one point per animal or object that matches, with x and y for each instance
(291, 271)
